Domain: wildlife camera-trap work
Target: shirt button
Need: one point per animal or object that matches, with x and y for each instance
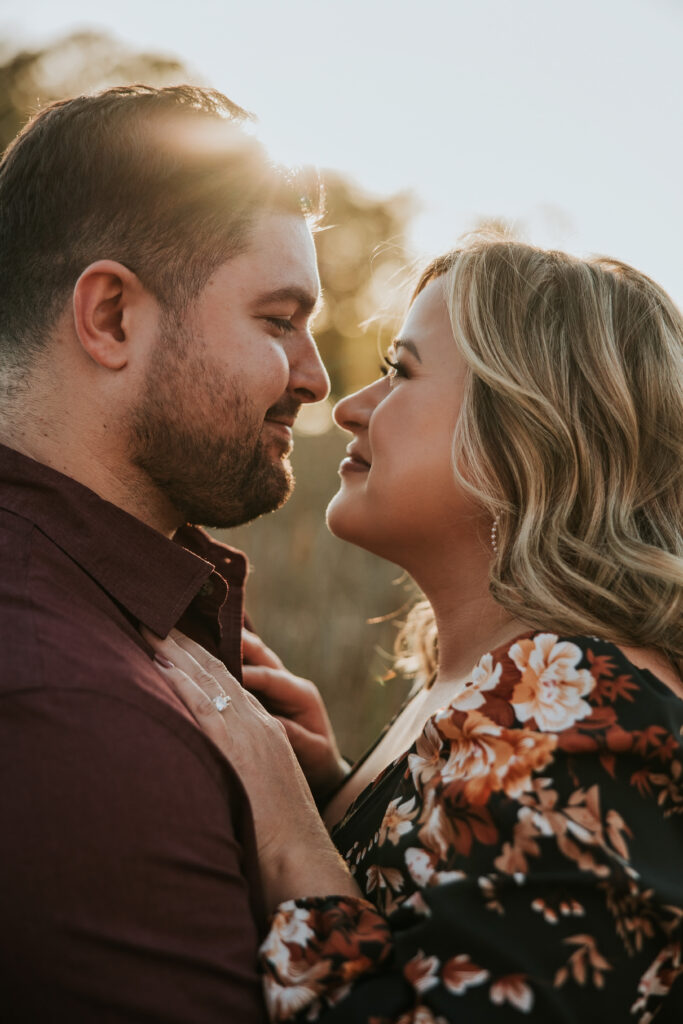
(206, 589)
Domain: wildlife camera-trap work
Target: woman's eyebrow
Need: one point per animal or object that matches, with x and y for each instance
(410, 346)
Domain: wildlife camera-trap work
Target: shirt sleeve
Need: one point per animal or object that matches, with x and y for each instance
(128, 876)
(527, 863)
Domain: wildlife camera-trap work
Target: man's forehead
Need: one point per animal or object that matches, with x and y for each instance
(282, 258)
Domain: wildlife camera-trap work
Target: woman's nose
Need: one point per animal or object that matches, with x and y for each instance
(353, 412)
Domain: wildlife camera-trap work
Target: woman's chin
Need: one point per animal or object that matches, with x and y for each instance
(337, 517)
(344, 520)
(348, 524)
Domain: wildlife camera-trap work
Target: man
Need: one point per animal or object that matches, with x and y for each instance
(158, 280)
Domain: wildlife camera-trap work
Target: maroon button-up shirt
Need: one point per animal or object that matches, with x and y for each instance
(129, 887)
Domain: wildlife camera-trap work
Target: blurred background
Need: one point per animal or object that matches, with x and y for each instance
(562, 122)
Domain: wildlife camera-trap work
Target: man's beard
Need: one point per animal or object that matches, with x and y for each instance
(199, 439)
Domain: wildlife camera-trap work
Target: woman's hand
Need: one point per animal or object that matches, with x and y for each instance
(296, 855)
(298, 705)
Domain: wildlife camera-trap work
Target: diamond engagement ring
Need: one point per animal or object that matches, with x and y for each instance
(221, 702)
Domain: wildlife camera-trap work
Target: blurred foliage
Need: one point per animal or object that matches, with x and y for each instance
(81, 62)
(362, 258)
(310, 595)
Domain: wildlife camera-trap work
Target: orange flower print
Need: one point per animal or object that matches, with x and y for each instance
(552, 689)
(658, 978)
(454, 828)
(422, 972)
(437, 833)
(381, 878)
(420, 1015)
(476, 747)
(512, 989)
(489, 758)
(586, 963)
(460, 973)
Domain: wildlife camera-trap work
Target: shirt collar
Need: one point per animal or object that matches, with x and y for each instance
(154, 578)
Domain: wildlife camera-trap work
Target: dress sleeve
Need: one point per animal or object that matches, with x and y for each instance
(527, 860)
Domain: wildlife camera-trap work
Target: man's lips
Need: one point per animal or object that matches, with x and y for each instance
(284, 421)
(282, 426)
(281, 416)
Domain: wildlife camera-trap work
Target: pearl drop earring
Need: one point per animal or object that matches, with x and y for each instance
(494, 536)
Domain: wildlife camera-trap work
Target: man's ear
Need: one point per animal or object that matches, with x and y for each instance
(104, 302)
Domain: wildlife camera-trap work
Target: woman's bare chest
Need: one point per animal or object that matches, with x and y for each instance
(399, 738)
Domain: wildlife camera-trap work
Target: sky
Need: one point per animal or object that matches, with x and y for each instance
(566, 119)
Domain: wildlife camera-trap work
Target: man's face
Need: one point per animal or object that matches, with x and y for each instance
(212, 428)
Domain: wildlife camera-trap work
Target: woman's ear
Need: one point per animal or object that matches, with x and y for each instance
(104, 301)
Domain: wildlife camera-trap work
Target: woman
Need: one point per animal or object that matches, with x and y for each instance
(513, 843)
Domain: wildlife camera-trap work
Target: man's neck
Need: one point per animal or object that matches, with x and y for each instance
(101, 467)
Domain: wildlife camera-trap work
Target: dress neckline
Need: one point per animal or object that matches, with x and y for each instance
(355, 804)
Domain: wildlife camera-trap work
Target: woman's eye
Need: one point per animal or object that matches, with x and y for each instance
(281, 324)
(391, 369)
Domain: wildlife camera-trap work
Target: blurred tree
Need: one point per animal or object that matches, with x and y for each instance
(82, 62)
(363, 267)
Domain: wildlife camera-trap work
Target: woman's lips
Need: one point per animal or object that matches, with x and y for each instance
(354, 464)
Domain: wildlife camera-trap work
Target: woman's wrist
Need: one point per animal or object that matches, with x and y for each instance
(334, 779)
(287, 874)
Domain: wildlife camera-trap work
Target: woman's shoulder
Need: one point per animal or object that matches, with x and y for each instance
(556, 645)
(551, 682)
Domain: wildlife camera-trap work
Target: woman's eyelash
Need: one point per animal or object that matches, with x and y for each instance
(388, 366)
(282, 324)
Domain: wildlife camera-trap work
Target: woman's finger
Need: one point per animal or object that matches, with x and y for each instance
(256, 652)
(214, 666)
(199, 704)
(278, 687)
(214, 684)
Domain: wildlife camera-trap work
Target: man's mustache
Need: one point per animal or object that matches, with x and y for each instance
(286, 408)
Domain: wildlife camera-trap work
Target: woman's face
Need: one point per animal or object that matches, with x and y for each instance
(398, 490)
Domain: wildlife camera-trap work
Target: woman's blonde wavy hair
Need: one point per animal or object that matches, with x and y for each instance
(571, 436)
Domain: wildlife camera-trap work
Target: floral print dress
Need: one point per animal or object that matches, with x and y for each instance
(523, 859)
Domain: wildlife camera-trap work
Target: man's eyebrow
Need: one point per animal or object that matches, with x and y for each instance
(410, 346)
(307, 301)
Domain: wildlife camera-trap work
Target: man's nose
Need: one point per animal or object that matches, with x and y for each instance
(308, 377)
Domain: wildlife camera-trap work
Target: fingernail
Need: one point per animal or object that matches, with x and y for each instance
(164, 662)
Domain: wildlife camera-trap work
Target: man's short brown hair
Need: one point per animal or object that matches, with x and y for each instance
(164, 181)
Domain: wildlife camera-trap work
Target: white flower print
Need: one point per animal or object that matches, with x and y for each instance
(420, 864)
(397, 820)
(512, 989)
(427, 760)
(552, 689)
